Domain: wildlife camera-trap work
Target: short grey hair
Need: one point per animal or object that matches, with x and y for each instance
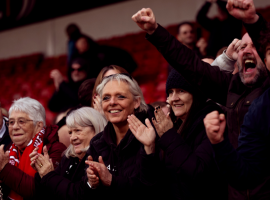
(32, 107)
(84, 117)
(133, 86)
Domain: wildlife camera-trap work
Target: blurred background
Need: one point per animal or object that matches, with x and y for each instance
(33, 41)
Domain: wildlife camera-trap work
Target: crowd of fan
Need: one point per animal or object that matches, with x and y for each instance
(211, 140)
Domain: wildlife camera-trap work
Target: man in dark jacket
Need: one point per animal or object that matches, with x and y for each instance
(248, 167)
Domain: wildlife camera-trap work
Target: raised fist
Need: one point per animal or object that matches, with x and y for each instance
(243, 10)
(215, 124)
(145, 19)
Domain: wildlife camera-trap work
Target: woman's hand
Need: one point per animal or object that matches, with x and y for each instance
(146, 135)
(4, 157)
(33, 156)
(43, 163)
(96, 104)
(57, 77)
(92, 174)
(104, 175)
(163, 122)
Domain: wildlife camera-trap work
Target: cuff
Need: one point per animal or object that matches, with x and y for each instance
(90, 185)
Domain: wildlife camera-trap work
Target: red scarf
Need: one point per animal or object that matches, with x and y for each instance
(22, 160)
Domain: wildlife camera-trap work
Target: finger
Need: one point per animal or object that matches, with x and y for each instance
(90, 158)
(2, 149)
(148, 124)
(33, 158)
(237, 44)
(135, 121)
(100, 160)
(45, 151)
(133, 130)
(51, 162)
(212, 115)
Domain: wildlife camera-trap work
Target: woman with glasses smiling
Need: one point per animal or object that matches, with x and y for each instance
(28, 131)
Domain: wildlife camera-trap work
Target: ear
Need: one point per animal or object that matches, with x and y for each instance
(137, 103)
(39, 126)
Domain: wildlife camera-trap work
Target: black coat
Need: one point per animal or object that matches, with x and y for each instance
(190, 168)
(5, 140)
(127, 162)
(67, 181)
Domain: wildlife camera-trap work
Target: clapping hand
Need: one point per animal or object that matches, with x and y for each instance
(4, 157)
(163, 122)
(92, 174)
(215, 124)
(145, 134)
(146, 20)
(103, 173)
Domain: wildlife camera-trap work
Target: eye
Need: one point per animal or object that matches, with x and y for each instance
(11, 122)
(170, 91)
(121, 97)
(70, 132)
(105, 98)
(181, 91)
(21, 121)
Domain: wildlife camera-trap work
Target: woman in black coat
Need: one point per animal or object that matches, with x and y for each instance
(189, 170)
(118, 157)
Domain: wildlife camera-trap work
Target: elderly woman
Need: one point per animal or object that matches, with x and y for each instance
(118, 156)
(190, 169)
(27, 130)
(65, 182)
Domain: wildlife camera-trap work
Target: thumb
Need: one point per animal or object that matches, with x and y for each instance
(7, 153)
(45, 152)
(51, 161)
(100, 160)
(2, 148)
(148, 124)
(222, 124)
(168, 115)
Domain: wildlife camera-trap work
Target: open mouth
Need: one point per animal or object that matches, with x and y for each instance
(178, 105)
(114, 111)
(250, 65)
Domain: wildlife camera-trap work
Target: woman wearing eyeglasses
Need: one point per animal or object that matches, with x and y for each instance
(27, 130)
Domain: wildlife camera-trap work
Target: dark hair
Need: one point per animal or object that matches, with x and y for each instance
(182, 128)
(184, 23)
(264, 40)
(85, 92)
(73, 31)
(101, 76)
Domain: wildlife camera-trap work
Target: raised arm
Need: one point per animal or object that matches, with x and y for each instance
(202, 18)
(212, 82)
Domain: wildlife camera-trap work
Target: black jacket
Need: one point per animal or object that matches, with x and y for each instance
(5, 140)
(67, 181)
(191, 171)
(125, 162)
(222, 87)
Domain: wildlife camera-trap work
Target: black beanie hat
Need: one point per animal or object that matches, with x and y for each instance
(175, 80)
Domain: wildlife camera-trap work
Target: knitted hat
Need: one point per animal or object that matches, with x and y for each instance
(175, 80)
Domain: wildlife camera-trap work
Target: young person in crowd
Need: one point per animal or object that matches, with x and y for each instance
(64, 182)
(27, 130)
(189, 165)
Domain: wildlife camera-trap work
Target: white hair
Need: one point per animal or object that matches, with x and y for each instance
(133, 87)
(84, 117)
(32, 107)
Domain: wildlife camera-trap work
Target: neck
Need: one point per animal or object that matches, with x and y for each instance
(190, 46)
(120, 131)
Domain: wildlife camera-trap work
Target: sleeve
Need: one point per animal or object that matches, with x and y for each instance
(202, 18)
(186, 162)
(254, 31)
(210, 80)
(249, 164)
(17, 180)
(3, 129)
(224, 62)
(56, 152)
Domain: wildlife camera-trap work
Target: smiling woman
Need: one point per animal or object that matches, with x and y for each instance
(28, 131)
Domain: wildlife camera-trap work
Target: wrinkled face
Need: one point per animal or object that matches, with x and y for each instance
(77, 73)
(118, 102)
(267, 57)
(82, 45)
(110, 72)
(80, 138)
(186, 34)
(180, 101)
(250, 65)
(21, 133)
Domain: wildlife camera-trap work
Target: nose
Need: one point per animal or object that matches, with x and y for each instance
(112, 101)
(73, 137)
(248, 49)
(16, 125)
(174, 97)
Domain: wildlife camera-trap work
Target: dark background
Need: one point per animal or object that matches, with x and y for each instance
(15, 13)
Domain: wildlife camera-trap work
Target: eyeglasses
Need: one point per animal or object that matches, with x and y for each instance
(21, 122)
(79, 69)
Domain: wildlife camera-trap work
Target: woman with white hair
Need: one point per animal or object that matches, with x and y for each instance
(117, 157)
(28, 131)
(65, 182)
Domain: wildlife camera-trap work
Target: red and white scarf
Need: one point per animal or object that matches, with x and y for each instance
(22, 160)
